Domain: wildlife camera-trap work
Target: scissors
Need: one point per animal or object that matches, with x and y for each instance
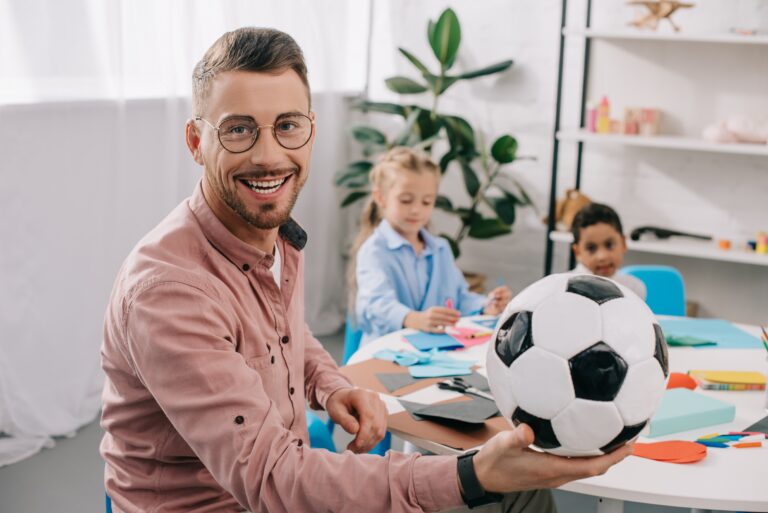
(459, 385)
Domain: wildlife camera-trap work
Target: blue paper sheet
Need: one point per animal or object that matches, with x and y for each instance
(487, 323)
(438, 371)
(723, 333)
(426, 341)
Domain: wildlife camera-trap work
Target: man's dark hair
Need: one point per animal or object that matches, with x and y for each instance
(594, 213)
(246, 49)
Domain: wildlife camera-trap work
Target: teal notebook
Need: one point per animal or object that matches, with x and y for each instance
(682, 409)
(724, 334)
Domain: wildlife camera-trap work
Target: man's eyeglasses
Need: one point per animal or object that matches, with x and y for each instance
(238, 134)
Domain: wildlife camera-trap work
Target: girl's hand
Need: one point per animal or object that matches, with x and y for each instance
(432, 320)
(497, 300)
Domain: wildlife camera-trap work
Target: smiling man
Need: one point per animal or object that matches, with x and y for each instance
(209, 362)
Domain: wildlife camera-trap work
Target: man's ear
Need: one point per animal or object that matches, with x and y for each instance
(192, 136)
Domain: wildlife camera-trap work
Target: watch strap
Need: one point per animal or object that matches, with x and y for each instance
(474, 494)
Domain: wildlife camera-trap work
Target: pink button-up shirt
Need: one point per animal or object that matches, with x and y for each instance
(208, 366)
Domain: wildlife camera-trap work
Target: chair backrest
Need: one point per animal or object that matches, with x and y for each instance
(319, 434)
(352, 338)
(664, 287)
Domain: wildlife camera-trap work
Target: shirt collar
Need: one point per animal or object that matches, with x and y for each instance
(394, 240)
(237, 251)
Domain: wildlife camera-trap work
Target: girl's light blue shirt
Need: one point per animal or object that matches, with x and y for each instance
(392, 281)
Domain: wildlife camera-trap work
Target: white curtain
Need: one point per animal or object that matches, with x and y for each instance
(93, 100)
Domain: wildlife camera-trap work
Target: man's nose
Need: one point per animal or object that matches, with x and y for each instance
(266, 150)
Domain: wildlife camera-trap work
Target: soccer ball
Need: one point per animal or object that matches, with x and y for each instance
(581, 360)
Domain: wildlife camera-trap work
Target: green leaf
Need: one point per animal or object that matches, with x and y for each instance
(368, 135)
(416, 62)
(460, 134)
(445, 38)
(504, 149)
(454, 245)
(504, 207)
(471, 181)
(428, 126)
(404, 85)
(431, 33)
(488, 228)
(383, 107)
(354, 173)
(488, 70)
(444, 203)
(445, 160)
(352, 197)
(439, 84)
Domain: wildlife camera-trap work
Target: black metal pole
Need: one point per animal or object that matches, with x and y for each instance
(556, 144)
(583, 110)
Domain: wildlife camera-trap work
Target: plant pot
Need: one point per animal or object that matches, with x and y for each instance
(476, 281)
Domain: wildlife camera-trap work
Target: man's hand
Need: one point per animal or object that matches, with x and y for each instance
(505, 464)
(432, 320)
(361, 413)
(497, 300)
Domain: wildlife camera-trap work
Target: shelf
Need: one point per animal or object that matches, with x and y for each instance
(694, 249)
(665, 141)
(628, 35)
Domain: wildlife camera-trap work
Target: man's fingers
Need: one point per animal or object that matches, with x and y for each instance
(348, 423)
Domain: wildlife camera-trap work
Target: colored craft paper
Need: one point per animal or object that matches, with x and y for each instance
(425, 341)
(683, 340)
(395, 380)
(761, 426)
(681, 409)
(673, 451)
(725, 334)
(437, 370)
(741, 377)
(474, 411)
(468, 336)
(487, 323)
(680, 380)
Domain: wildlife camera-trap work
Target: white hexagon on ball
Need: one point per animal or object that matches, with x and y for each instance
(566, 324)
(586, 425)
(541, 383)
(627, 325)
(641, 392)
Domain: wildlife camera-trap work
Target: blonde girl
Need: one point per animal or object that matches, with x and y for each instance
(403, 275)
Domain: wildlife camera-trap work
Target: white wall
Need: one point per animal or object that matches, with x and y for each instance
(694, 84)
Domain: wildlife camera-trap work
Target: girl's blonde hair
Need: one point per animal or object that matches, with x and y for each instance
(397, 160)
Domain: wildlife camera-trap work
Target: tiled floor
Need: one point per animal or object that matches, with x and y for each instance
(68, 478)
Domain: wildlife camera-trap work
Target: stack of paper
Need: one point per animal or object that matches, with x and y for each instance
(728, 380)
(682, 409)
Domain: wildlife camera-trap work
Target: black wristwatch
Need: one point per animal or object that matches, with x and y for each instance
(474, 495)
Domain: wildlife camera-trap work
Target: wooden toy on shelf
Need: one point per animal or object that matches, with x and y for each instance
(658, 10)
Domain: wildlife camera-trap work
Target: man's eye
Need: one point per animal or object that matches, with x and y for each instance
(286, 126)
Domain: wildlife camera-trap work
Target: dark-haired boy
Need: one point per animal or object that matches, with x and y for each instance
(599, 245)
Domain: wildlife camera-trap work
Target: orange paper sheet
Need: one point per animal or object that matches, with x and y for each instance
(469, 336)
(674, 451)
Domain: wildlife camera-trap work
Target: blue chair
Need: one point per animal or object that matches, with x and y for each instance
(320, 437)
(664, 287)
(109, 503)
(352, 338)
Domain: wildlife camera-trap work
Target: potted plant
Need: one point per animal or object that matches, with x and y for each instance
(492, 201)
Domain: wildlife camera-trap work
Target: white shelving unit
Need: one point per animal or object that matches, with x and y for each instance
(581, 137)
(667, 37)
(664, 141)
(693, 249)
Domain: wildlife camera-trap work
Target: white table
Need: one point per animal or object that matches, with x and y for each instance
(727, 479)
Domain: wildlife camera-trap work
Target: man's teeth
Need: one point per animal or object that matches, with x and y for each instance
(266, 187)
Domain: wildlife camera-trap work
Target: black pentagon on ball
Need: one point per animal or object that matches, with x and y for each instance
(514, 337)
(544, 435)
(599, 290)
(627, 434)
(597, 373)
(660, 353)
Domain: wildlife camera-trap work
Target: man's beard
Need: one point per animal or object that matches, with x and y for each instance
(268, 217)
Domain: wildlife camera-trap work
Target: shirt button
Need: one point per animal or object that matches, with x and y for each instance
(301, 442)
(239, 419)
(246, 267)
(292, 390)
(273, 359)
(285, 339)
